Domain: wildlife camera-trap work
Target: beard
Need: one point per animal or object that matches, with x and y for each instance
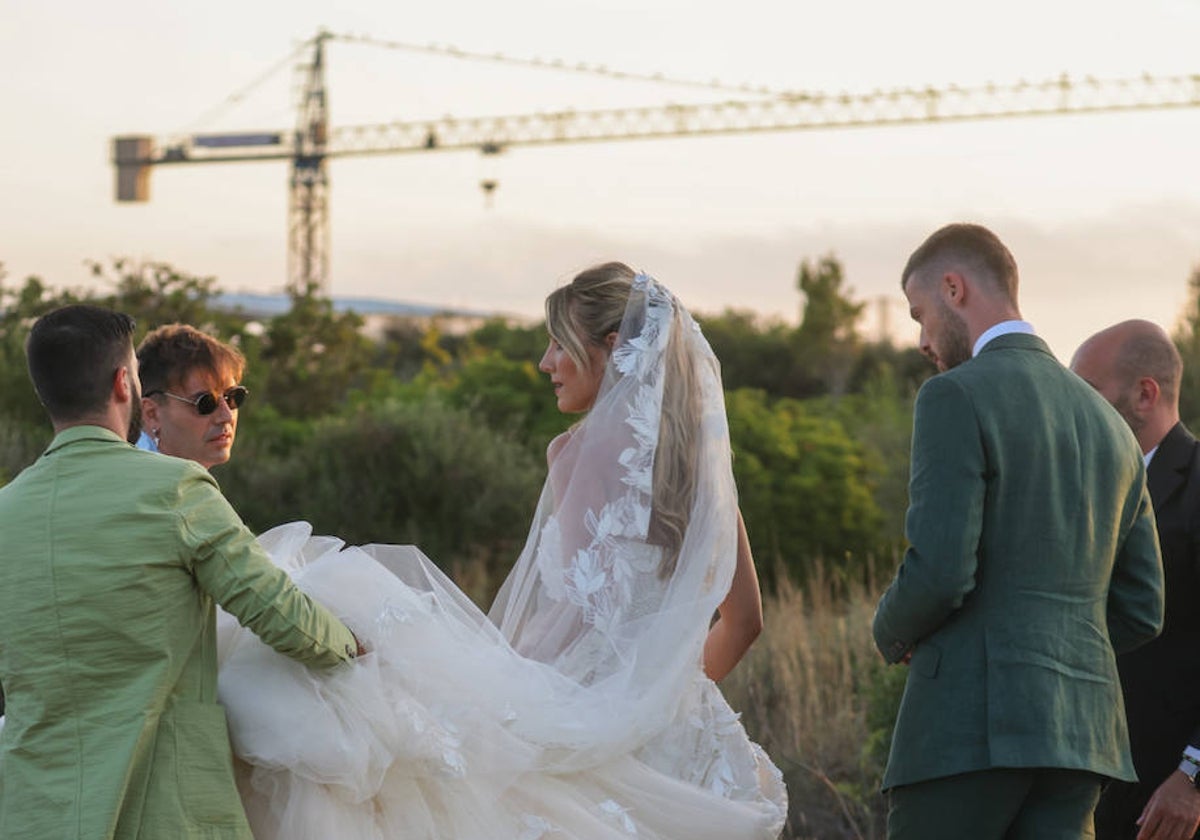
(135, 417)
(954, 344)
(1124, 406)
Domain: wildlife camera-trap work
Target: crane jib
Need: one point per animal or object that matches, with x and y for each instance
(225, 141)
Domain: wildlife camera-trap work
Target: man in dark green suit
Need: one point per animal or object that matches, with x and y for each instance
(1032, 558)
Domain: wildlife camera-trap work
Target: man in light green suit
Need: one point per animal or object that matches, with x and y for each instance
(1033, 557)
(111, 560)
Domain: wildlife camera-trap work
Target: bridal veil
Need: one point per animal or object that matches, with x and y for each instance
(578, 707)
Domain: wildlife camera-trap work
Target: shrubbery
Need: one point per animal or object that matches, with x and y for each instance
(439, 440)
(420, 472)
(803, 483)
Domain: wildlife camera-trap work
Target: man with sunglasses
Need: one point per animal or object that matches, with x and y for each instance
(191, 393)
(110, 566)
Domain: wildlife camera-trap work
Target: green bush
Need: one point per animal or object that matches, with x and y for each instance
(20, 445)
(879, 420)
(883, 692)
(803, 483)
(399, 472)
(509, 396)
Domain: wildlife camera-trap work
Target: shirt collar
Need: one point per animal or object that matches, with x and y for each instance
(1003, 328)
(1149, 455)
(71, 434)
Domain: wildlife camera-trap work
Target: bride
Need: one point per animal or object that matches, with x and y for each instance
(583, 704)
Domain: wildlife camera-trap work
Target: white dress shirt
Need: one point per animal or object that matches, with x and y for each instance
(1003, 328)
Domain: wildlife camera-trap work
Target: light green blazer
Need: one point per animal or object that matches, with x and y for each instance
(1033, 555)
(111, 559)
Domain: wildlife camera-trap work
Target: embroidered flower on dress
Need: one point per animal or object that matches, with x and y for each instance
(534, 827)
(619, 815)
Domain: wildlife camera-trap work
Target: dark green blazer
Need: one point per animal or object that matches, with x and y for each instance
(1033, 556)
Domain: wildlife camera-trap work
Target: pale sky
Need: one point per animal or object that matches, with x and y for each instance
(1101, 212)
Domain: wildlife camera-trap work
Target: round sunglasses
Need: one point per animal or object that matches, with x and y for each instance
(206, 403)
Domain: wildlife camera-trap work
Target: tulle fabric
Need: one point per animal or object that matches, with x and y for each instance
(443, 730)
(578, 706)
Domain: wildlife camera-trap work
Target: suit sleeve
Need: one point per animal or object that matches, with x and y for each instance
(1190, 508)
(1135, 604)
(1136, 592)
(944, 521)
(236, 571)
(1194, 559)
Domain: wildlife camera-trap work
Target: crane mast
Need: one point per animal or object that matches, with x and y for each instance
(312, 142)
(308, 203)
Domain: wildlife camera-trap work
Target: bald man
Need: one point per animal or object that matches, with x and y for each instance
(1135, 366)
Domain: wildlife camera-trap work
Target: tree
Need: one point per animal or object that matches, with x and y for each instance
(879, 418)
(827, 340)
(753, 353)
(155, 293)
(312, 356)
(803, 484)
(516, 342)
(1187, 339)
(417, 471)
(509, 397)
(905, 367)
(19, 308)
(830, 317)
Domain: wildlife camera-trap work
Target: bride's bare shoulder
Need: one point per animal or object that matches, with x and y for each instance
(557, 445)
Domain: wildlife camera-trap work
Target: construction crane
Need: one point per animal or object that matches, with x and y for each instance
(312, 142)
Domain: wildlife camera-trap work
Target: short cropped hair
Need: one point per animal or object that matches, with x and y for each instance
(168, 354)
(1153, 354)
(969, 248)
(73, 353)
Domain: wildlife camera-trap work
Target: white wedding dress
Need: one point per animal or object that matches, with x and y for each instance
(577, 708)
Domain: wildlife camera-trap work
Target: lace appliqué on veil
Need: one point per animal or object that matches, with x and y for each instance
(599, 578)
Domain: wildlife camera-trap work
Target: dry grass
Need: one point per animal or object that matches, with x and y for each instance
(804, 691)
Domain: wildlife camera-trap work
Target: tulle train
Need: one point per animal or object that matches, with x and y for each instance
(443, 731)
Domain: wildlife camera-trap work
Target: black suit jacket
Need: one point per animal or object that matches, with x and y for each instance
(1161, 679)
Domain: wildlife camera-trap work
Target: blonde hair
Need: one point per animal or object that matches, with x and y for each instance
(585, 312)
